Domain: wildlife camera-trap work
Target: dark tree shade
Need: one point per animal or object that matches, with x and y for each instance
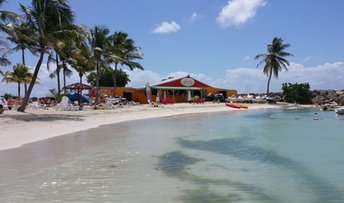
(106, 78)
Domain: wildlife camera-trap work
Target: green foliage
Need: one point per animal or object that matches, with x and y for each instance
(8, 95)
(106, 78)
(299, 93)
(56, 94)
(274, 60)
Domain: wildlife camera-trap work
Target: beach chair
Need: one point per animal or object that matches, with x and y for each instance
(108, 105)
(153, 104)
(65, 105)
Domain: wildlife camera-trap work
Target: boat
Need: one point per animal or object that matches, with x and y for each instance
(233, 105)
(245, 106)
(340, 111)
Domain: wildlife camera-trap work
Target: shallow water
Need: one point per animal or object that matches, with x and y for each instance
(253, 156)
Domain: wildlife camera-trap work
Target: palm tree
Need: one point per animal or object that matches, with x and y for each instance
(99, 41)
(274, 60)
(45, 18)
(73, 45)
(82, 63)
(75, 33)
(128, 52)
(19, 75)
(5, 18)
(21, 36)
(3, 57)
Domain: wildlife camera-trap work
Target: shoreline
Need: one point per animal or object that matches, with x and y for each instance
(18, 129)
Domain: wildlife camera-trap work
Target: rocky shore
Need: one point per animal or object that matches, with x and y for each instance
(326, 96)
(318, 97)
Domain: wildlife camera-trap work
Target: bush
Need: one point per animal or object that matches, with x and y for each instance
(299, 93)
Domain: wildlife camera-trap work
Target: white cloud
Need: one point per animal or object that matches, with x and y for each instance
(238, 12)
(307, 58)
(194, 16)
(247, 57)
(326, 76)
(167, 27)
(139, 78)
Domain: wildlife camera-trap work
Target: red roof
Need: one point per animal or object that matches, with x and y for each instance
(183, 82)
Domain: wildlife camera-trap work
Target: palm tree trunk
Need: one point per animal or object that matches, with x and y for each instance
(64, 78)
(32, 83)
(25, 88)
(115, 80)
(268, 85)
(18, 89)
(23, 57)
(23, 61)
(58, 70)
(97, 83)
(80, 91)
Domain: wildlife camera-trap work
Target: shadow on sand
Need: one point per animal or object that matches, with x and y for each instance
(27, 117)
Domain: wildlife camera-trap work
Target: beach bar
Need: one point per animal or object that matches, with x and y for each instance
(169, 91)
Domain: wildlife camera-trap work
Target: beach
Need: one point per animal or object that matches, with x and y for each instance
(35, 125)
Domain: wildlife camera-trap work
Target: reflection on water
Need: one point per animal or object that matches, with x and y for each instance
(214, 157)
(175, 164)
(238, 148)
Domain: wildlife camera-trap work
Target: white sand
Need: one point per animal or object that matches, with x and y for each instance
(18, 129)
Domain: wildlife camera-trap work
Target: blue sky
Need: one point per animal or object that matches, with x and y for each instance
(216, 41)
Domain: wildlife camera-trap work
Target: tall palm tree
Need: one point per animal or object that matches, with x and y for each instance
(70, 43)
(128, 52)
(19, 75)
(81, 62)
(75, 33)
(45, 17)
(274, 60)
(99, 41)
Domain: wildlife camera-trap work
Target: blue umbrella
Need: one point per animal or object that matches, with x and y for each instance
(75, 97)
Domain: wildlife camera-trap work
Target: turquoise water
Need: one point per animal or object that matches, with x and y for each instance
(253, 156)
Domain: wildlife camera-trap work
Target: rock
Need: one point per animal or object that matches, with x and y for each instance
(340, 100)
(319, 100)
(323, 93)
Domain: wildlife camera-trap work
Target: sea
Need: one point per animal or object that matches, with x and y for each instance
(253, 156)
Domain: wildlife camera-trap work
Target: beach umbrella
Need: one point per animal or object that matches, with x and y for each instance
(79, 87)
(76, 97)
(148, 93)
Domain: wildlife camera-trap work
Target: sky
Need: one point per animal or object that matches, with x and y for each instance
(216, 41)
